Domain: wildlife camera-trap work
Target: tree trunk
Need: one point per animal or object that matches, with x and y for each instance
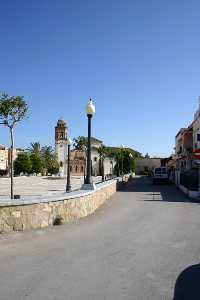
(11, 164)
(102, 170)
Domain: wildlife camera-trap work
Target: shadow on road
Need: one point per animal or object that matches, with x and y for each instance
(187, 285)
(159, 192)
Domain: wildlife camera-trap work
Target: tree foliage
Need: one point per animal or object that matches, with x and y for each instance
(43, 159)
(36, 162)
(22, 164)
(102, 155)
(124, 160)
(53, 166)
(12, 109)
(80, 143)
(35, 148)
(50, 162)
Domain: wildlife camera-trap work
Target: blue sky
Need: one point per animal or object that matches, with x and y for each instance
(139, 61)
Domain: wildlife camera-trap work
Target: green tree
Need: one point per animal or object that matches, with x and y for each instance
(53, 166)
(36, 162)
(125, 160)
(80, 143)
(102, 155)
(118, 165)
(35, 148)
(22, 164)
(12, 111)
(49, 159)
(46, 154)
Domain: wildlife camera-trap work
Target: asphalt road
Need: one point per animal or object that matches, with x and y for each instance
(134, 247)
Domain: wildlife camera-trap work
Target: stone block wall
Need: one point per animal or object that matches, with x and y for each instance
(42, 214)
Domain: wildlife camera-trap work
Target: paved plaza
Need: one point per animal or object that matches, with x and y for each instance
(39, 186)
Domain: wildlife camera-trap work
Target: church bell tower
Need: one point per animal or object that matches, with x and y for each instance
(61, 136)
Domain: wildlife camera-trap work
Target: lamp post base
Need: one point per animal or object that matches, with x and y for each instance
(68, 189)
(89, 186)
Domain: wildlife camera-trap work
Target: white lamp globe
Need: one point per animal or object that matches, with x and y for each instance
(69, 141)
(90, 108)
(130, 155)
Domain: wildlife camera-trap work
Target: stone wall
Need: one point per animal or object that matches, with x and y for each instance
(18, 216)
(141, 164)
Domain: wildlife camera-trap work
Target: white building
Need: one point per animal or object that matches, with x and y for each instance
(196, 129)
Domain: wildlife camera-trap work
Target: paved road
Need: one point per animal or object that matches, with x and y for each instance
(134, 247)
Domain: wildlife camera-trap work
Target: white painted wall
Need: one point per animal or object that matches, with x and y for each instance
(61, 152)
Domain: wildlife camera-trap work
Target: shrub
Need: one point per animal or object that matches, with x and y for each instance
(58, 220)
(22, 164)
(36, 162)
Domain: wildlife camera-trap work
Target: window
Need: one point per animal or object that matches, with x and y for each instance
(70, 168)
(82, 169)
(76, 169)
(198, 137)
(158, 171)
(61, 164)
(95, 158)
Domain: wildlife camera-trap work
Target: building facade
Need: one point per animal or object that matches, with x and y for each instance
(187, 141)
(78, 160)
(184, 148)
(5, 159)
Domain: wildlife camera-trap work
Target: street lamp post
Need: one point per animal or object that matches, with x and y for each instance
(68, 186)
(122, 170)
(88, 184)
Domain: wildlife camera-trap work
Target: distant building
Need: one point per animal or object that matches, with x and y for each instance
(187, 141)
(78, 160)
(184, 148)
(77, 157)
(5, 159)
(144, 165)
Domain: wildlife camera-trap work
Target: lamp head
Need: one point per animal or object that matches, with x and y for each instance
(69, 141)
(90, 108)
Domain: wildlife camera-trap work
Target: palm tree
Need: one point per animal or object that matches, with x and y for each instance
(35, 148)
(102, 154)
(48, 155)
(118, 160)
(111, 156)
(80, 143)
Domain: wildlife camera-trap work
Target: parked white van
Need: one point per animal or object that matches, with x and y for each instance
(160, 175)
